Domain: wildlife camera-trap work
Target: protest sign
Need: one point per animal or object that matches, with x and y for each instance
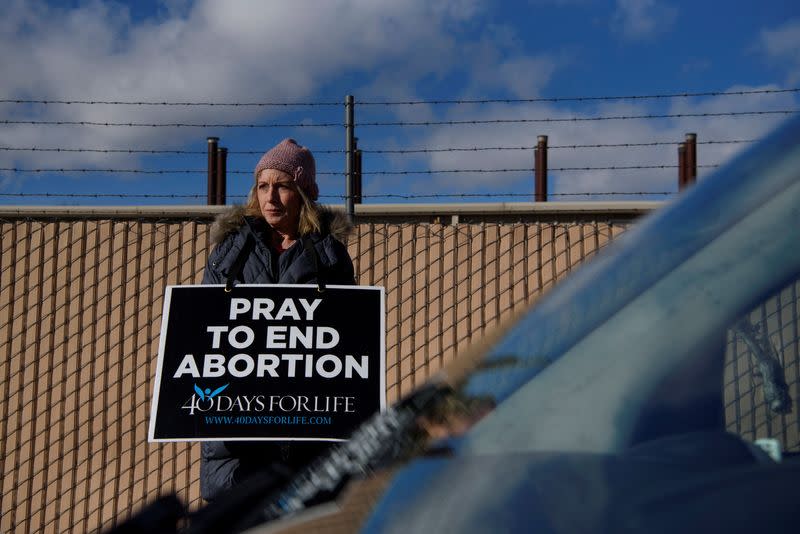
(268, 362)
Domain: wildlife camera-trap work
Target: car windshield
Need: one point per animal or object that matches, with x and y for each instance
(637, 335)
(750, 388)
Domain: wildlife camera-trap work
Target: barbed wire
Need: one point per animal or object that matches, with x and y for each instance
(530, 169)
(341, 197)
(165, 103)
(403, 123)
(105, 195)
(579, 98)
(148, 150)
(405, 102)
(175, 124)
(333, 173)
(495, 195)
(533, 147)
(580, 119)
(369, 151)
(141, 171)
(380, 150)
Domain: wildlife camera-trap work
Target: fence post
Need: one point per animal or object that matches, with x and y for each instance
(222, 175)
(540, 169)
(681, 166)
(691, 158)
(357, 174)
(349, 154)
(212, 170)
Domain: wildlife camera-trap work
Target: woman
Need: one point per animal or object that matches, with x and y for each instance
(280, 236)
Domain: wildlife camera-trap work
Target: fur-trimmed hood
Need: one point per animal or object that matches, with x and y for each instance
(333, 221)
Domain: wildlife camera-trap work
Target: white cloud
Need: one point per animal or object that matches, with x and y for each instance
(784, 40)
(521, 76)
(498, 64)
(781, 45)
(642, 19)
(232, 51)
(250, 50)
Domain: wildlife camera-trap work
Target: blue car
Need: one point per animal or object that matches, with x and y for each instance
(653, 391)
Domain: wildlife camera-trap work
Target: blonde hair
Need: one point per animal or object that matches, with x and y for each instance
(309, 211)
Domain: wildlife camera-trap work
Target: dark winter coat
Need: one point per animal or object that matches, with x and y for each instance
(226, 463)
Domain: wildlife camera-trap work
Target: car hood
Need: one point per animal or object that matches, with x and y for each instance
(697, 482)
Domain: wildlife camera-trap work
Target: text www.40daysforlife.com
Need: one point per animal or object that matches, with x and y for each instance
(266, 420)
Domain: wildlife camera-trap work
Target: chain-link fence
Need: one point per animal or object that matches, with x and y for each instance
(80, 310)
(81, 302)
(762, 372)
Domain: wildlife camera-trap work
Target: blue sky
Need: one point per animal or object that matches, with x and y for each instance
(523, 59)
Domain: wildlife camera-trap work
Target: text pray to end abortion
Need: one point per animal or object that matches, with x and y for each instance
(290, 365)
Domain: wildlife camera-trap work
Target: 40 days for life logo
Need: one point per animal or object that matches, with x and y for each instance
(208, 394)
(270, 362)
(207, 401)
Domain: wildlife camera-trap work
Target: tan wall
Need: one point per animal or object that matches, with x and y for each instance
(80, 309)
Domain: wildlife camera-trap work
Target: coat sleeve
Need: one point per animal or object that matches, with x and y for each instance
(226, 464)
(217, 470)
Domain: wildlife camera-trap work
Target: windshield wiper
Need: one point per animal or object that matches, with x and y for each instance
(384, 437)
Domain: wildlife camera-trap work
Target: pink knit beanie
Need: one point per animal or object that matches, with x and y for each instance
(295, 160)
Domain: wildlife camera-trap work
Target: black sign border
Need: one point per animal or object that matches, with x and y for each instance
(162, 345)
